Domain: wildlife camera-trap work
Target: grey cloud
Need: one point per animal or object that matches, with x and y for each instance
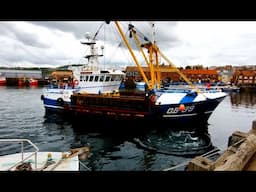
(30, 39)
(235, 59)
(29, 47)
(20, 53)
(19, 46)
(27, 38)
(5, 29)
(165, 35)
(75, 27)
(41, 57)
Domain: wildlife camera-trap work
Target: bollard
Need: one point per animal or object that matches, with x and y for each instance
(254, 125)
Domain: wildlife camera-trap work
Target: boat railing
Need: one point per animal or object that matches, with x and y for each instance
(22, 141)
(189, 90)
(55, 86)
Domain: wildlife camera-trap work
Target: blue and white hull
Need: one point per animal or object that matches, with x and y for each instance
(195, 107)
(173, 106)
(55, 99)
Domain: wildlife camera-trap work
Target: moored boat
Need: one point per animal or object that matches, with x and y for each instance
(33, 82)
(2, 80)
(178, 107)
(40, 161)
(27, 82)
(181, 106)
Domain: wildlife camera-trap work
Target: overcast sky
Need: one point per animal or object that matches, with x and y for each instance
(52, 44)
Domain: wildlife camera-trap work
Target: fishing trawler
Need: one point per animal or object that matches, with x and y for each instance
(177, 106)
(182, 106)
(90, 78)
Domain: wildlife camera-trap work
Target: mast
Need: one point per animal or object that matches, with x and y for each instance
(158, 74)
(131, 52)
(152, 62)
(153, 32)
(93, 62)
(152, 50)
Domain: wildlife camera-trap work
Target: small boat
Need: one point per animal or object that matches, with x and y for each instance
(33, 82)
(2, 80)
(230, 88)
(40, 161)
(27, 82)
(224, 88)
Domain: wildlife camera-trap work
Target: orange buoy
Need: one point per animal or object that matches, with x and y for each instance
(182, 107)
(76, 82)
(152, 98)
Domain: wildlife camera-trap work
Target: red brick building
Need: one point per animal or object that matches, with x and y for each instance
(244, 77)
(193, 75)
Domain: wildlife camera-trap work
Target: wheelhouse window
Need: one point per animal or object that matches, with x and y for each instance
(107, 78)
(101, 78)
(91, 78)
(118, 77)
(96, 78)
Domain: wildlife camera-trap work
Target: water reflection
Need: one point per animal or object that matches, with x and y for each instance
(22, 115)
(132, 145)
(246, 98)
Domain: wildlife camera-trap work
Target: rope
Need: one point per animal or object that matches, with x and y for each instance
(207, 155)
(177, 166)
(98, 31)
(85, 166)
(117, 47)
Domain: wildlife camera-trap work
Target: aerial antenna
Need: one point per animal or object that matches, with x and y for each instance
(87, 36)
(98, 31)
(153, 32)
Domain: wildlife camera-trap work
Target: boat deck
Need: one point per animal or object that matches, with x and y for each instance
(43, 164)
(110, 104)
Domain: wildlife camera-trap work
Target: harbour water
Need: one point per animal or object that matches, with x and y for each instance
(22, 115)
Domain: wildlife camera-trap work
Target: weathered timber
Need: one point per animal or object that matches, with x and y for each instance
(238, 160)
(236, 137)
(200, 164)
(240, 154)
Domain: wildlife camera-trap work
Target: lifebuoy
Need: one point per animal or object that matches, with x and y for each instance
(76, 82)
(60, 101)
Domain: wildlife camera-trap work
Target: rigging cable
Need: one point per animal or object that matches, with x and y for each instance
(118, 46)
(104, 32)
(96, 33)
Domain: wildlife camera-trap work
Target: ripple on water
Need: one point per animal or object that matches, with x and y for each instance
(126, 158)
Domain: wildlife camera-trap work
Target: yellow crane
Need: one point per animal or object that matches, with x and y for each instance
(152, 62)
